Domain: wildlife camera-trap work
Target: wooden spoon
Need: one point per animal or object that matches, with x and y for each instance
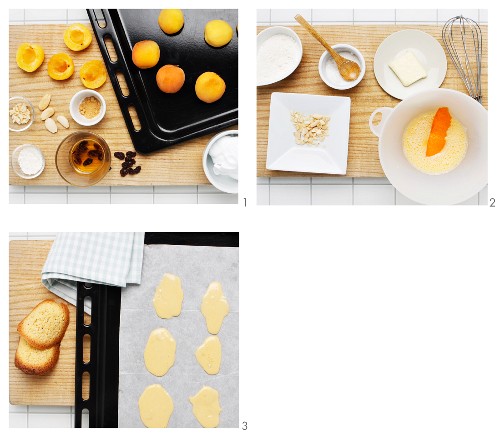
(349, 70)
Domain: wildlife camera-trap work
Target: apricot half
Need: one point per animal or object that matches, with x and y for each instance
(29, 57)
(93, 74)
(171, 20)
(146, 54)
(209, 87)
(77, 37)
(170, 79)
(61, 66)
(218, 33)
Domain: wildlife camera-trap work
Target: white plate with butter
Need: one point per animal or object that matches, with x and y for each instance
(401, 48)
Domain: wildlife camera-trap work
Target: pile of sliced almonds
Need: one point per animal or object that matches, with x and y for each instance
(309, 129)
(48, 112)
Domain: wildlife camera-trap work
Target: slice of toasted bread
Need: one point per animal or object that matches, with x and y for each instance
(46, 324)
(30, 360)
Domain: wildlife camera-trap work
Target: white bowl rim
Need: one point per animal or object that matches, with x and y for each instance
(205, 155)
(350, 85)
(80, 119)
(294, 35)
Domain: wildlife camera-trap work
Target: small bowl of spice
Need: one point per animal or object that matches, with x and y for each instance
(21, 113)
(28, 161)
(87, 107)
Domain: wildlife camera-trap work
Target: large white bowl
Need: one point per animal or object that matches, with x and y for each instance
(276, 30)
(445, 189)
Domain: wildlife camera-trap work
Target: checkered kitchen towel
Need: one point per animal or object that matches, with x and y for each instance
(113, 258)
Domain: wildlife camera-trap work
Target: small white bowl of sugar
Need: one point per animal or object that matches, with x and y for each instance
(329, 71)
(279, 52)
(28, 161)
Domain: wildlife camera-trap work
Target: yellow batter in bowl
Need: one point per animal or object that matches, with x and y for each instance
(415, 139)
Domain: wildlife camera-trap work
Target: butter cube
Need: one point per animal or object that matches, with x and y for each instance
(407, 68)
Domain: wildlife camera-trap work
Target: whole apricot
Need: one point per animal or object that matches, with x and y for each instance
(209, 87)
(93, 74)
(218, 33)
(29, 57)
(170, 79)
(146, 54)
(61, 66)
(171, 20)
(77, 37)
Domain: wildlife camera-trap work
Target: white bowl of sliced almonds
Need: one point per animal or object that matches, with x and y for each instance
(21, 113)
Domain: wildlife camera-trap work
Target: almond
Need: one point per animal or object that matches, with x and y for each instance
(63, 121)
(47, 113)
(50, 125)
(44, 102)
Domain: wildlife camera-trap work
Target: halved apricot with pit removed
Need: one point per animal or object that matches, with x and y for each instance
(29, 57)
(61, 66)
(77, 37)
(93, 74)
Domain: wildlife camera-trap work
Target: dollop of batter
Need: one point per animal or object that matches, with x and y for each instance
(159, 354)
(209, 355)
(206, 407)
(214, 307)
(168, 296)
(155, 407)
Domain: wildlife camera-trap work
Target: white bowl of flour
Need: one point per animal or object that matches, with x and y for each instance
(279, 52)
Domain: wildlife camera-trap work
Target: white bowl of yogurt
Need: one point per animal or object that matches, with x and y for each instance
(220, 161)
(329, 71)
(279, 52)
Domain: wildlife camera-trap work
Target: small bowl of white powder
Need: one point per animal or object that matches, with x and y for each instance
(28, 161)
(279, 52)
(329, 71)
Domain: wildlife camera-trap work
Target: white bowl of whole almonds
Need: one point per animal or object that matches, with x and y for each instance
(48, 113)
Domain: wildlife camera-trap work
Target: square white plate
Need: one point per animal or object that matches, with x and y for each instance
(330, 156)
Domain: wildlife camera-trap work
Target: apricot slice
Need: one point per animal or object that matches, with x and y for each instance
(61, 66)
(170, 79)
(93, 74)
(171, 20)
(209, 87)
(439, 128)
(146, 54)
(218, 33)
(77, 37)
(29, 57)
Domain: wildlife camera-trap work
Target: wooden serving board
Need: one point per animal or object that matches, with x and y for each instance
(26, 260)
(365, 97)
(179, 165)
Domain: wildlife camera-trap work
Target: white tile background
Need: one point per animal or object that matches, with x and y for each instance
(350, 191)
(201, 194)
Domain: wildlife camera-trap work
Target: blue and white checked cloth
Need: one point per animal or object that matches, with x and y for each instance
(112, 258)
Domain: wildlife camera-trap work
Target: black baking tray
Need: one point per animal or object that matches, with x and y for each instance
(167, 119)
(104, 331)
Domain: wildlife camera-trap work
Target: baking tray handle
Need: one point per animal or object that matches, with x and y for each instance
(103, 27)
(100, 374)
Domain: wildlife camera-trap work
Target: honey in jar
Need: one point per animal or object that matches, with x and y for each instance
(86, 156)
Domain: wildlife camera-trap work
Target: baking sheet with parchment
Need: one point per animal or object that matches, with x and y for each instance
(197, 266)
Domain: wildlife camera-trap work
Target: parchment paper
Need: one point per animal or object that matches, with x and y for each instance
(197, 266)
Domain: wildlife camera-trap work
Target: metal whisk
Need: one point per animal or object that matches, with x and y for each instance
(463, 41)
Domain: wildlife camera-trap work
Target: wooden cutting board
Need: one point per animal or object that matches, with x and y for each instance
(179, 165)
(26, 260)
(365, 97)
